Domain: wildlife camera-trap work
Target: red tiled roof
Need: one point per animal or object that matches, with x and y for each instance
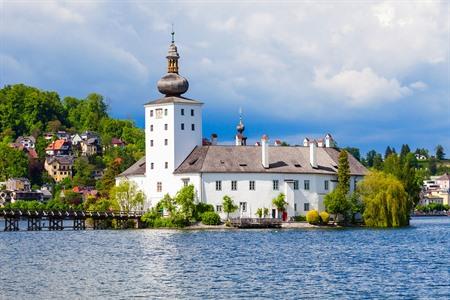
(56, 145)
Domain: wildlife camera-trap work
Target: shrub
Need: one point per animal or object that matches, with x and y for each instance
(324, 217)
(210, 218)
(313, 217)
(299, 218)
(201, 208)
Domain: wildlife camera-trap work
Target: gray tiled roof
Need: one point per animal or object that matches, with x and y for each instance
(138, 168)
(174, 99)
(247, 159)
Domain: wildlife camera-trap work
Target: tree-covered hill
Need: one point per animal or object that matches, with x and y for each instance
(26, 110)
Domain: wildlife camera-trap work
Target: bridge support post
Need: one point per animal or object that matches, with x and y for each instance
(79, 224)
(11, 224)
(55, 224)
(34, 224)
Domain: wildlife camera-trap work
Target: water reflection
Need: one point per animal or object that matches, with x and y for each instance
(351, 263)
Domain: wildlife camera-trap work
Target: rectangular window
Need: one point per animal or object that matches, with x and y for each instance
(151, 113)
(234, 185)
(159, 113)
(182, 126)
(306, 185)
(182, 111)
(152, 165)
(243, 206)
(192, 112)
(295, 206)
(218, 208)
(151, 143)
(251, 185)
(185, 181)
(218, 185)
(325, 185)
(151, 127)
(193, 127)
(306, 206)
(295, 184)
(159, 187)
(275, 185)
(165, 112)
(166, 126)
(166, 165)
(166, 142)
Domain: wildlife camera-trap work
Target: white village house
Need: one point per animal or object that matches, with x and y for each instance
(252, 176)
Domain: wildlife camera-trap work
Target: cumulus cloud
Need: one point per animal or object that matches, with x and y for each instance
(362, 87)
(266, 58)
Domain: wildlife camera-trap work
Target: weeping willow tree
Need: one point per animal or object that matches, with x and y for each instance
(385, 200)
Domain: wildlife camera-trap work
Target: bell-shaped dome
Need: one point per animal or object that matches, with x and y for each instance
(173, 84)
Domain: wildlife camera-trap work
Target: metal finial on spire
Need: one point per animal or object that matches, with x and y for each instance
(173, 35)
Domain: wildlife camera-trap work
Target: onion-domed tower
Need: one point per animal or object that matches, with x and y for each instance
(240, 139)
(173, 128)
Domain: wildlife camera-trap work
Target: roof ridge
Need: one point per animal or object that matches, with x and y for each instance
(207, 149)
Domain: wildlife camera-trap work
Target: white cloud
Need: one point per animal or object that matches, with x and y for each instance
(419, 85)
(361, 87)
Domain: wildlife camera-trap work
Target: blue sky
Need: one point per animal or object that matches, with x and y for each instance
(371, 73)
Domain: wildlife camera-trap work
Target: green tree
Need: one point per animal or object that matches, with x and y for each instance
(280, 202)
(83, 172)
(440, 155)
(265, 212)
(336, 202)
(432, 165)
(185, 198)
(404, 151)
(378, 162)
(259, 213)
(354, 151)
(168, 204)
(385, 200)
(228, 206)
(344, 173)
(387, 152)
(127, 195)
(13, 162)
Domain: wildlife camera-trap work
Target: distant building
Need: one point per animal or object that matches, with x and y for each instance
(436, 190)
(28, 142)
(115, 142)
(90, 147)
(59, 167)
(58, 148)
(18, 184)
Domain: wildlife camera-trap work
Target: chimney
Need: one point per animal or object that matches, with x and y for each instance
(265, 151)
(306, 142)
(313, 153)
(329, 141)
(214, 139)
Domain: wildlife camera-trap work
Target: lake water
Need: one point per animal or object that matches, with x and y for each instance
(359, 263)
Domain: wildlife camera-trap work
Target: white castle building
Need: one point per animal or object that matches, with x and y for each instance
(177, 155)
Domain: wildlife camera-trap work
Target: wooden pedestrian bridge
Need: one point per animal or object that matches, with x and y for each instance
(67, 219)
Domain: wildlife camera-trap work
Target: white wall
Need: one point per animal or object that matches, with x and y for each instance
(263, 194)
(180, 145)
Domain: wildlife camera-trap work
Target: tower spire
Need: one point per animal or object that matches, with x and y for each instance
(241, 140)
(173, 35)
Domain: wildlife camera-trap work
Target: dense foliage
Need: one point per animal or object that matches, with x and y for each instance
(13, 163)
(228, 206)
(280, 202)
(385, 200)
(312, 217)
(324, 217)
(210, 218)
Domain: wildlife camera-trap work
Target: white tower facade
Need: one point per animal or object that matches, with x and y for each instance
(173, 128)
